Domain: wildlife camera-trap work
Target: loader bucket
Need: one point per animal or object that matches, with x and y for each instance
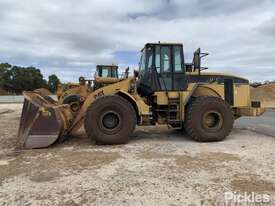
(41, 122)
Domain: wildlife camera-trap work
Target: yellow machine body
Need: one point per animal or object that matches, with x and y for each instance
(64, 119)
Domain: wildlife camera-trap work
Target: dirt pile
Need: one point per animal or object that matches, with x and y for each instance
(264, 93)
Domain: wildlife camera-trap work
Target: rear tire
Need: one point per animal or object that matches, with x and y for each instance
(208, 119)
(110, 120)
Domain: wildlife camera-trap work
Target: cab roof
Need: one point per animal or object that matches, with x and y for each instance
(106, 65)
(162, 43)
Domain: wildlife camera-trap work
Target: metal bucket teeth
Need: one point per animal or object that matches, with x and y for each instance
(41, 123)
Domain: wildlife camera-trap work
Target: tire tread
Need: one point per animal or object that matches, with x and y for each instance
(98, 102)
(194, 105)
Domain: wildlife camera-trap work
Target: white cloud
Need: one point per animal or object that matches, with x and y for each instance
(69, 37)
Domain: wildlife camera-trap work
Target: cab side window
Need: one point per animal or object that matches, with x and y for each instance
(165, 59)
(177, 59)
(150, 58)
(157, 60)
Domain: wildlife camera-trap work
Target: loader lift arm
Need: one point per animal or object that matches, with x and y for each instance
(43, 121)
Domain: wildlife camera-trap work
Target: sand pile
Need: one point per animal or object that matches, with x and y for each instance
(264, 93)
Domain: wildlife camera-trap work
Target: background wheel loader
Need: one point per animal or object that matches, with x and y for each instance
(75, 94)
(165, 90)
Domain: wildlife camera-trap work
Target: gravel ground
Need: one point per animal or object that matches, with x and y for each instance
(158, 167)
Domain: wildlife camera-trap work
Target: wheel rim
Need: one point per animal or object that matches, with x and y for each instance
(212, 120)
(75, 106)
(110, 120)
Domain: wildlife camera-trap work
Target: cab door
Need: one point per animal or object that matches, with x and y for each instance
(179, 76)
(163, 65)
(170, 69)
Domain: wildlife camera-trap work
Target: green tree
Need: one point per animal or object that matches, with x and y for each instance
(24, 79)
(53, 83)
(16, 79)
(4, 76)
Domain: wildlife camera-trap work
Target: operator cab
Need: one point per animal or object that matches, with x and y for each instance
(105, 75)
(161, 68)
(107, 71)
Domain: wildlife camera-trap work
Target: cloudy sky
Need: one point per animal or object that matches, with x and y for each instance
(70, 37)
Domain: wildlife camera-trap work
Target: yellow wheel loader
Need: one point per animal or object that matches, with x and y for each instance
(105, 75)
(165, 90)
(74, 94)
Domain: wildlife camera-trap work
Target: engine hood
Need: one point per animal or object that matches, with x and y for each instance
(211, 77)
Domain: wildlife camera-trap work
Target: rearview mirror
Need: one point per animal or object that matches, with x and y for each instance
(198, 55)
(136, 73)
(197, 59)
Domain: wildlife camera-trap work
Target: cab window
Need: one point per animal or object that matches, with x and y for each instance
(157, 59)
(142, 61)
(106, 72)
(165, 62)
(114, 72)
(149, 52)
(177, 59)
(163, 59)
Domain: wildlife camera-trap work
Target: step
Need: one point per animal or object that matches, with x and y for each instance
(173, 108)
(174, 121)
(173, 100)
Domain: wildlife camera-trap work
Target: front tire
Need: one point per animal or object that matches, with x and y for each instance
(110, 120)
(208, 119)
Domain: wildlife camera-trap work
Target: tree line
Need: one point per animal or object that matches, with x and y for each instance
(258, 84)
(16, 79)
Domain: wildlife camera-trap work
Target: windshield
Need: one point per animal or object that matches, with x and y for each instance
(106, 72)
(142, 61)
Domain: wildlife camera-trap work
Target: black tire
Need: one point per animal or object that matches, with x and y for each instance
(110, 120)
(208, 119)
